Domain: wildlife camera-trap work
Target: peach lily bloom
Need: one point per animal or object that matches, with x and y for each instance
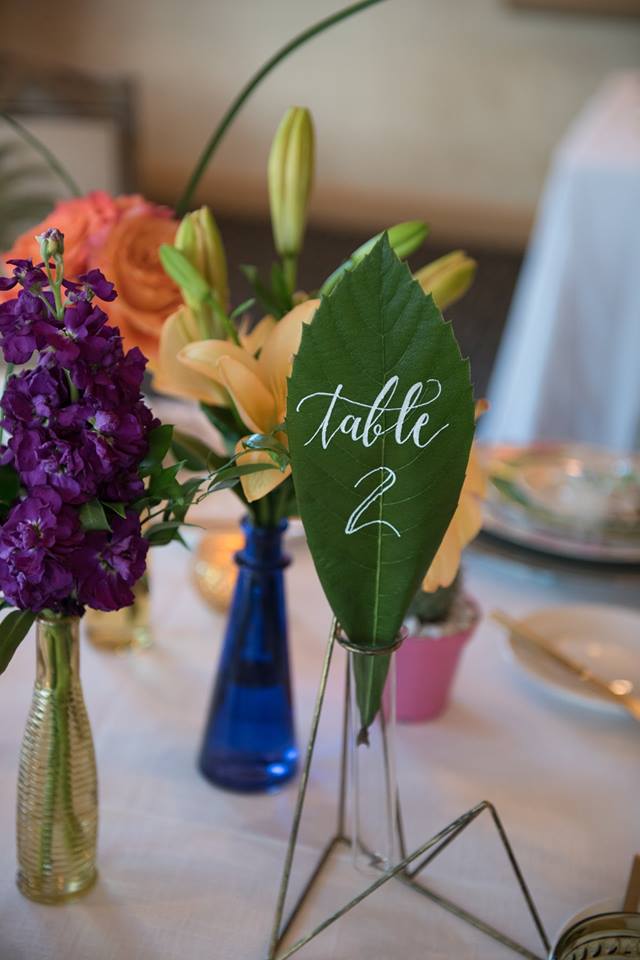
(465, 524)
(257, 386)
(173, 377)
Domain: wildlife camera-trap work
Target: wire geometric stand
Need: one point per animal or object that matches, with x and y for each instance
(409, 866)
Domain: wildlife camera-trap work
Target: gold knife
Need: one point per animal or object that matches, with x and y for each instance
(622, 698)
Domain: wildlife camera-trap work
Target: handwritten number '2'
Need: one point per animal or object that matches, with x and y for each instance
(388, 479)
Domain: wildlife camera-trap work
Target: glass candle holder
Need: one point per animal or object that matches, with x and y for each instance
(125, 629)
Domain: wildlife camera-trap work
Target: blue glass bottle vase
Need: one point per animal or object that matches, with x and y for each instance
(249, 742)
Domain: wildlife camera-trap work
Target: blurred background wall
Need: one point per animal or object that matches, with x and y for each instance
(447, 109)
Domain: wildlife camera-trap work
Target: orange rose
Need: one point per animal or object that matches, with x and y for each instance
(121, 236)
(85, 222)
(146, 295)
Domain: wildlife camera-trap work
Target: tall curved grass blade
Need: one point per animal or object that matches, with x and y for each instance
(47, 155)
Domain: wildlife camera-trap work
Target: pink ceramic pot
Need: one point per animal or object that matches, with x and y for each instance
(426, 663)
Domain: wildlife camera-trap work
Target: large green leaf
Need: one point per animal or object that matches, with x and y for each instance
(376, 500)
(13, 630)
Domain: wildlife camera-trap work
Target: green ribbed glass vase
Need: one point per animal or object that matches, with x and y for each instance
(57, 817)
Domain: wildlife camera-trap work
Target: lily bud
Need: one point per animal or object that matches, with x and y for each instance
(404, 239)
(448, 278)
(199, 240)
(291, 164)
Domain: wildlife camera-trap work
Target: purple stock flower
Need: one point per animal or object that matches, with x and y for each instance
(8, 283)
(109, 565)
(80, 336)
(32, 279)
(37, 541)
(56, 463)
(89, 285)
(33, 397)
(125, 487)
(25, 323)
(78, 429)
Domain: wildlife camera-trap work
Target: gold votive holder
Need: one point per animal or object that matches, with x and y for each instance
(608, 935)
(214, 570)
(125, 629)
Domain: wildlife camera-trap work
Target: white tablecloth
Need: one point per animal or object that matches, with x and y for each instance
(569, 363)
(188, 872)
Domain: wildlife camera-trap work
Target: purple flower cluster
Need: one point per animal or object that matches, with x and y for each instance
(78, 431)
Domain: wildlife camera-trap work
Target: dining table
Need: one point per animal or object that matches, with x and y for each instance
(188, 871)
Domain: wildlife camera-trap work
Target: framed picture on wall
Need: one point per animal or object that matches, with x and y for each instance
(86, 121)
(616, 8)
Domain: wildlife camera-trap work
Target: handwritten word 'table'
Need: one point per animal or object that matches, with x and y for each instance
(367, 429)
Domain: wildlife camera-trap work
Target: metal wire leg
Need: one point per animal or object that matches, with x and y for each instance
(404, 871)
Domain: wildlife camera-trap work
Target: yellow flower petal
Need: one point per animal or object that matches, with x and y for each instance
(444, 567)
(254, 341)
(464, 527)
(280, 348)
(253, 401)
(204, 356)
(258, 485)
(171, 376)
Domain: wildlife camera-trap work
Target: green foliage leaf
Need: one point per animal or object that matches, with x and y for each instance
(268, 298)
(9, 484)
(225, 423)
(159, 443)
(93, 517)
(160, 534)
(118, 508)
(180, 505)
(242, 308)
(13, 630)
(280, 289)
(195, 454)
(229, 475)
(163, 483)
(269, 444)
(377, 489)
(182, 272)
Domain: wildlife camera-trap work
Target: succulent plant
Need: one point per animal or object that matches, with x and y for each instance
(434, 607)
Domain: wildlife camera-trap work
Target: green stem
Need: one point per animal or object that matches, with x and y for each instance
(261, 512)
(218, 134)
(290, 270)
(63, 695)
(55, 288)
(58, 782)
(51, 785)
(73, 390)
(227, 322)
(50, 159)
(280, 497)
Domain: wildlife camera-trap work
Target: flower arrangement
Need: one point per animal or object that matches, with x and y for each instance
(81, 455)
(173, 305)
(82, 481)
(177, 312)
(239, 376)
